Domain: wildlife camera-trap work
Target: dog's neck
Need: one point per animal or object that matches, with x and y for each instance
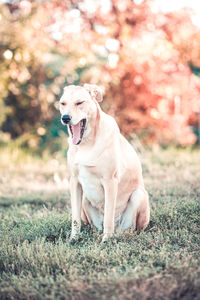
(93, 128)
(89, 150)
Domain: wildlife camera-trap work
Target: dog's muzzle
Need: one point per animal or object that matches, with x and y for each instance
(66, 119)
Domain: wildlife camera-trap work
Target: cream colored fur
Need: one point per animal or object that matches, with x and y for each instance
(106, 184)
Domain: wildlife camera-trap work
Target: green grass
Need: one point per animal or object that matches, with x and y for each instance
(37, 260)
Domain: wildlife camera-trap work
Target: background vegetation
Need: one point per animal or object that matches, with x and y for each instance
(146, 60)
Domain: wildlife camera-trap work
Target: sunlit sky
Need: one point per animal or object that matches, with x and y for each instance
(158, 5)
(175, 5)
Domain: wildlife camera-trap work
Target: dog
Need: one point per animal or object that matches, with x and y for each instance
(106, 182)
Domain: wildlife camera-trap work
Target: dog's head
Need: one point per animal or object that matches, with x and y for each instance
(77, 107)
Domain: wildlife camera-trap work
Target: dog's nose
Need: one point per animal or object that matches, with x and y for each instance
(66, 119)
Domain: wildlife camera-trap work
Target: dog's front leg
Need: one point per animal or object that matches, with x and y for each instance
(110, 190)
(76, 202)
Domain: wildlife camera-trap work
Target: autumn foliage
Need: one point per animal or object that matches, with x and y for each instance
(142, 58)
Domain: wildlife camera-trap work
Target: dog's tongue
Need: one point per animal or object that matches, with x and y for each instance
(76, 130)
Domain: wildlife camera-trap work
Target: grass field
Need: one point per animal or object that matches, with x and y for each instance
(37, 260)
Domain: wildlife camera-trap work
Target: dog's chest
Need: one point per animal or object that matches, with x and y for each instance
(91, 184)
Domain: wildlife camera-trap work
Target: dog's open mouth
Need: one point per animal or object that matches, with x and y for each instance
(77, 131)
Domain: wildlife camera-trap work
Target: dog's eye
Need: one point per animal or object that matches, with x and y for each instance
(79, 103)
(63, 103)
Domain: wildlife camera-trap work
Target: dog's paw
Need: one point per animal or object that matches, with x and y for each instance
(107, 237)
(74, 238)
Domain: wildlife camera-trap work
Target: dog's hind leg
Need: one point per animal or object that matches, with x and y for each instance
(92, 214)
(137, 212)
(84, 216)
(143, 215)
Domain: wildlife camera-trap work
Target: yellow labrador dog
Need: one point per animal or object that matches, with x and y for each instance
(106, 184)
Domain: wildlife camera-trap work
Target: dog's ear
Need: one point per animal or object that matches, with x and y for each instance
(94, 91)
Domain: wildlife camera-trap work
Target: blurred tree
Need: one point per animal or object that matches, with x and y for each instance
(151, 87)
(29, 81)
(136, 54)
(22, 88)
